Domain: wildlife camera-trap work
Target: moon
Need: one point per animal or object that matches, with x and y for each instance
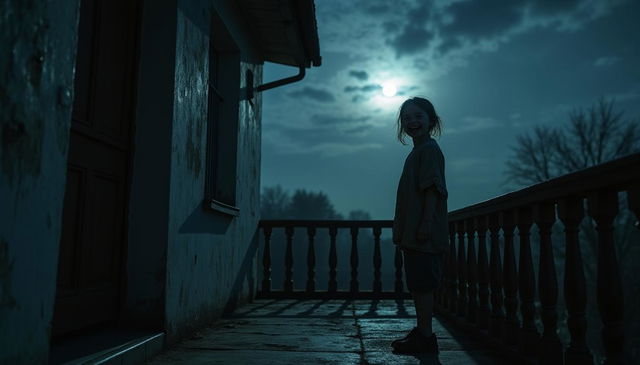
(389, 89)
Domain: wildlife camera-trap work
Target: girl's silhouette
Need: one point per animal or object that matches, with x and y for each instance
(420, 225)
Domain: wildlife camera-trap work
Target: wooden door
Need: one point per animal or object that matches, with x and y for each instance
(93, 235)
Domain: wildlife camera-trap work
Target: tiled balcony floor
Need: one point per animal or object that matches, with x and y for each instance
(321, 332)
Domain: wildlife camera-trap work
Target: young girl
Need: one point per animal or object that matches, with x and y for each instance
(420, 225)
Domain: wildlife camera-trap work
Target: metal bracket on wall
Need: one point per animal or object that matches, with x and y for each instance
(272, 84)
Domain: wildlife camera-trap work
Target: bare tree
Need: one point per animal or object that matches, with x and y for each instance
(274, 203)
(592, 136)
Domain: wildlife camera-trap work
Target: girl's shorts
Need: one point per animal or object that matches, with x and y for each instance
(423, 271)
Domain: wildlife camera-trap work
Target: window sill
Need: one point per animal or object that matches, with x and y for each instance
(223, 208)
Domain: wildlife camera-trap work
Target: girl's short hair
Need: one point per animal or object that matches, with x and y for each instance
(435, 124)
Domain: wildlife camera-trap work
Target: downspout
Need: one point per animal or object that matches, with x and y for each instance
(272, 84)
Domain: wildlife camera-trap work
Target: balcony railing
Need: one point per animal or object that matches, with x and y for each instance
(333, 226)
(488, 291)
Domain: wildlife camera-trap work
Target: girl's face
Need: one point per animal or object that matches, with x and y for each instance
(415, 121)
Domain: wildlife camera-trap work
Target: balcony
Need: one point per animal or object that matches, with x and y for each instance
(514, 290)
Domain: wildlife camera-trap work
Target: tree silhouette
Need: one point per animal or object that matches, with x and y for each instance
(592, 136)
(274, 203)
(359, 215)
(309, 205)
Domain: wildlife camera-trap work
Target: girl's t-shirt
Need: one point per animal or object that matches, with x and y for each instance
(423, 169)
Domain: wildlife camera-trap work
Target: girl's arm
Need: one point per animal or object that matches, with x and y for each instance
(429, 204)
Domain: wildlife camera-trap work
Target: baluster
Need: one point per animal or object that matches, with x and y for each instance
(529, 337)
(570, 212)
(333, 260)
(603, 207)
(480, 225)
(288, 261)
(497, 309)
(550, 346)
(510, 280)
(311, 261)
(441, 292)
(453, 271)
(354, 260)
(377, 260)
(633, 199)
(462, 265)
(472, 272)
(266, 261)
(399, 288)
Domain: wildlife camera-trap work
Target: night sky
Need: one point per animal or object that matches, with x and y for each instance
(493, 70)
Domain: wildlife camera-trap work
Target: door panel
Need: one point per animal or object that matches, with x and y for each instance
(93, 230)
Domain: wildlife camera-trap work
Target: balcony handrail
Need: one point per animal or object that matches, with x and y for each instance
(325, 223)
(613, 175)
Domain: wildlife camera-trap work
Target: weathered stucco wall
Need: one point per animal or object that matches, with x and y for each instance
(38, 47)
(211, 261)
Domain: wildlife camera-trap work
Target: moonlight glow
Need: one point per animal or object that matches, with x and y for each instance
(389, 89)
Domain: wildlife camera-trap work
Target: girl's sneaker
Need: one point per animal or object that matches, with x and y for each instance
(415, 343)
(413, 332)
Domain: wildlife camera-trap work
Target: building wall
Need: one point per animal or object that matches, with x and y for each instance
(38, 43)
(198, 262)
(211, 256)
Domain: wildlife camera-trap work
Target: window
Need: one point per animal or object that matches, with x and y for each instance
(222, 124)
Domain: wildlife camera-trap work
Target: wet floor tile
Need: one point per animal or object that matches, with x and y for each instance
(320, 332)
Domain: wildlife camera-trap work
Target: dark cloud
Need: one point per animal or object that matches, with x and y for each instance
(483, 19)
(357, 99)
(547, 7)
(448, 44)
(390, 27)
(476, 20)
(360, 75)
(377, 9)
(306, 135)
(325, 119)
(413, 39)
(414, 36)
(361, 129)
(421, 13)
(325, 128)
(366, 88)
(314, 94)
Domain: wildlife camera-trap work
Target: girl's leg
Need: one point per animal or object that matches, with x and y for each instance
(424, 311)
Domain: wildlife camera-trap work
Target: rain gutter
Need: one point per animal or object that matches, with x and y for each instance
(273, 84)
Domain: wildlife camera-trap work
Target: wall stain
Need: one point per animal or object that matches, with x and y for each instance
(22, 146)
(194, 161)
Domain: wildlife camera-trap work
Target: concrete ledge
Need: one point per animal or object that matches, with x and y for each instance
(133, 352)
